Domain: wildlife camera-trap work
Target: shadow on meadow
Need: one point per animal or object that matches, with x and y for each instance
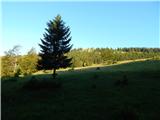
(94, 94)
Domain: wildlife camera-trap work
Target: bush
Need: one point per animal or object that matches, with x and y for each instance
(156, 58)
(98, 68)
(114, 62)
(45, 84)
(109, 62)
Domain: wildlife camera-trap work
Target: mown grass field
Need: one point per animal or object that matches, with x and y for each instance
(87, 94)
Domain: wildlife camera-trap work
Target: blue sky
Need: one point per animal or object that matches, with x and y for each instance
(92, 24)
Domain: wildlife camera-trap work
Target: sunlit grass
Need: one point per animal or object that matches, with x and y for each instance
(88, 67)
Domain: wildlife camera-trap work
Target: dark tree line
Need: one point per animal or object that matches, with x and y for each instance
(156, 50)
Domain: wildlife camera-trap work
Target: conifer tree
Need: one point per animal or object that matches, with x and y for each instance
(55, 45)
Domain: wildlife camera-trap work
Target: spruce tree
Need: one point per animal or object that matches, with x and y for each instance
(55, 45)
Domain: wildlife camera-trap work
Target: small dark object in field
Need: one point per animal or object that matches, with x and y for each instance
(98, 68)
(35, 84)
(114, 62)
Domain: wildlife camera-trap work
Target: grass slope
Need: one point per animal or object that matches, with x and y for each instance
(88, 94)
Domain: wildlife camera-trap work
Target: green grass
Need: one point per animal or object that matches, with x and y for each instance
(88, 94)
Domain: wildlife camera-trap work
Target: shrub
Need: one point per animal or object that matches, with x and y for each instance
(98, 68)
(109, 62)
(156, 58)
(114, 62)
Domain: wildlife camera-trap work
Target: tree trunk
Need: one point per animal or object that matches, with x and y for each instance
(54, 73)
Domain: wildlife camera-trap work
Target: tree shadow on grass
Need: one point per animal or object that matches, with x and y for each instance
(42, 84)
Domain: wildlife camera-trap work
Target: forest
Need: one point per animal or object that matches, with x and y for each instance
(15, 65)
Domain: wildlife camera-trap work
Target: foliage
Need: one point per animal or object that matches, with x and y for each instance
(28, 63)
(55, 45)
(80, 58)
(18, 72)
(9, 62)
(7, 66)
(13, 52)
(86, 57)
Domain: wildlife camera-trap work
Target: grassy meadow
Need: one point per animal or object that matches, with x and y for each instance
(96, 93)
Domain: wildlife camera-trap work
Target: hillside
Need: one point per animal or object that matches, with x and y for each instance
(88, 94)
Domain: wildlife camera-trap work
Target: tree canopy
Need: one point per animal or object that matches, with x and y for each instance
(55, 45)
